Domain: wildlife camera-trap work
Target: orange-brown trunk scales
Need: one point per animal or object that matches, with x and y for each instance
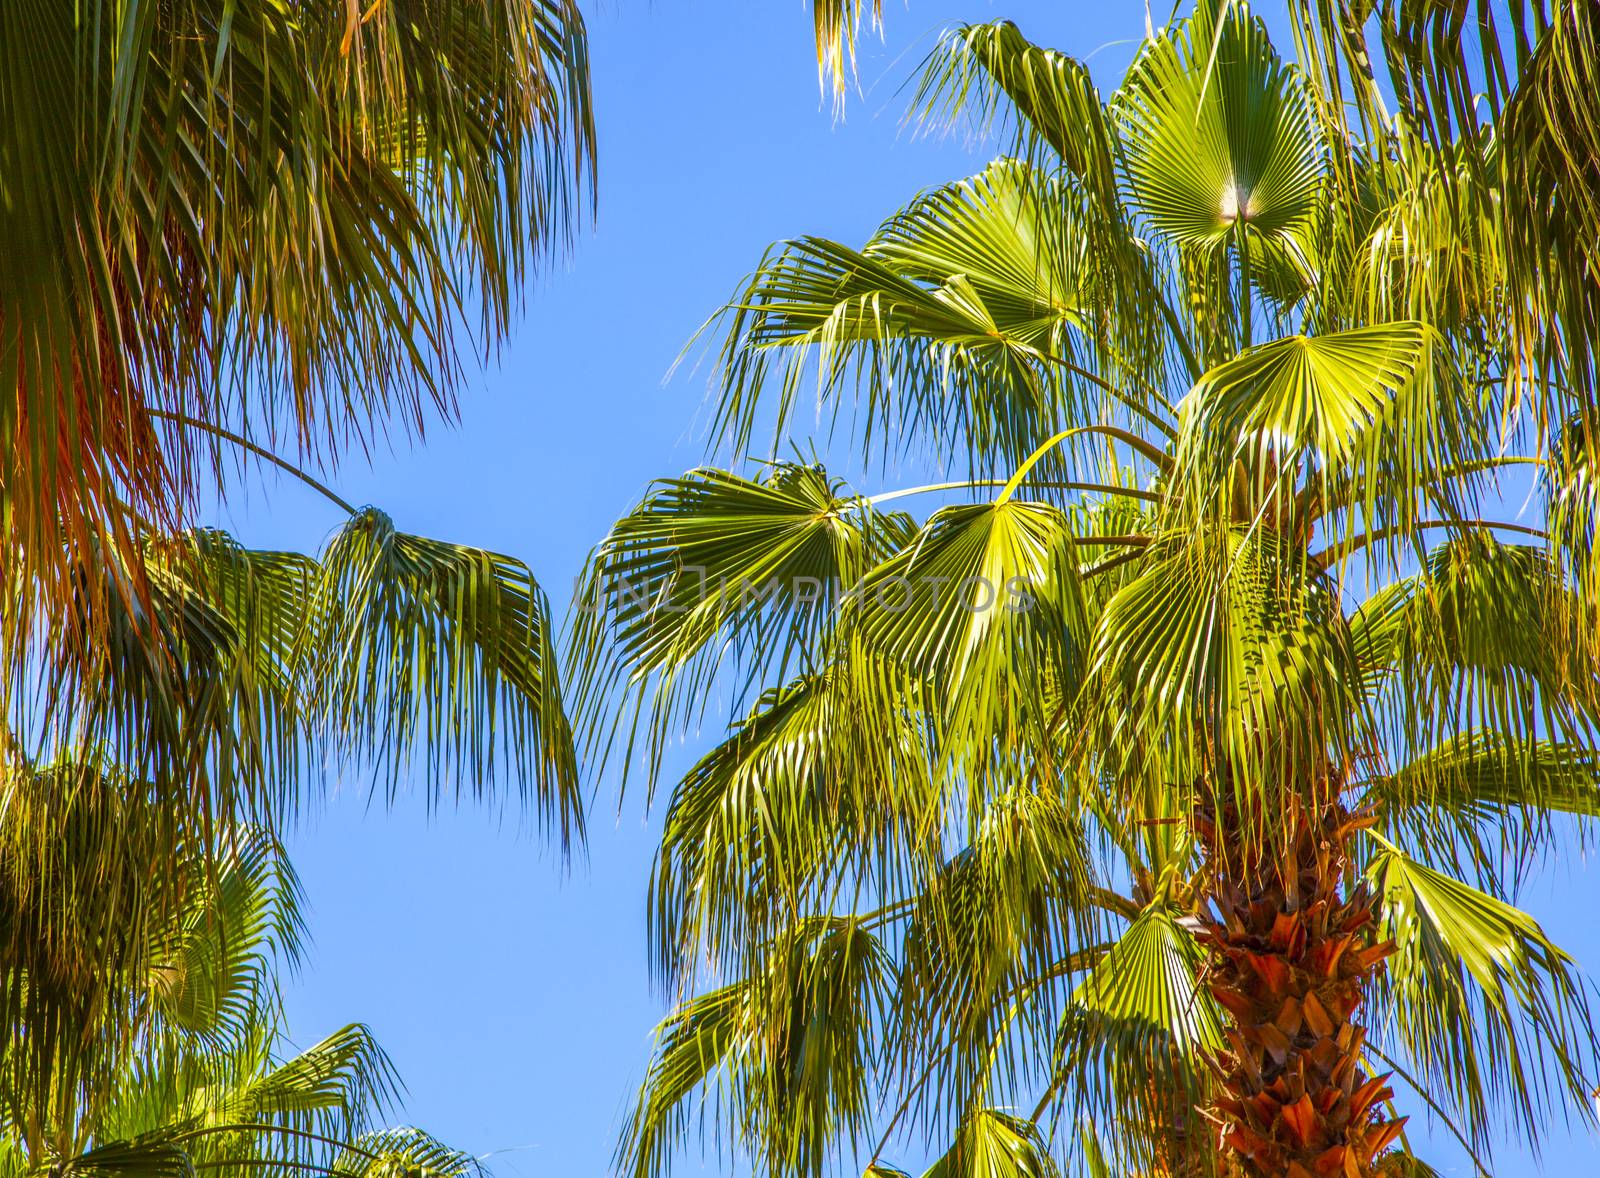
(1291, 953)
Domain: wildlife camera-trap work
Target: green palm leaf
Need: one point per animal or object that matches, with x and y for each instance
(406, 1152)
(952, 322)
(1217, 133)
(828, 776)
(1522, 78)
(711, 569)
(423, 643)
(990, 71)
(1215, 652)
(995, 1144)
(1573, 499)
(1484, 640)
(985, 602)
(211, 969)
(1484, 1004)
(988, 951)
(1131, 1044)
(789, 1047)
(1488, 800)
(1363, 423)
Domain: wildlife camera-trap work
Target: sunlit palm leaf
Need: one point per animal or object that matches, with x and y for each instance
(1485, 640)
(711, 571)
(1133, 1040)
(990, 71)
(989, 952)
(1574, 510)
(1361, 425)
(211, 969)
(985, 602)
(1523, 76)
(1217, 132)
(1488, 1009)
(950, 324)
(405, 1151)
(1216, 652)
(1483, 801)
(994, 1144)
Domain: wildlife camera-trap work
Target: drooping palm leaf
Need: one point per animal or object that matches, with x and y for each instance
(786, 1050)
(445, 649)
(1490, 1011)
(1133, 1041)
(828, 779)
(715, 570)
(989, 951)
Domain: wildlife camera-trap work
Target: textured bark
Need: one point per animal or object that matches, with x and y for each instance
(1291, 955)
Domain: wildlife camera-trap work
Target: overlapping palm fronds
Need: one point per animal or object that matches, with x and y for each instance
(240, 669)
(168, 1060)
(261, 220)
(1235, 681)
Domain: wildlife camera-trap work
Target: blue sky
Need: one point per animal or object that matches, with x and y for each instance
(512, 992)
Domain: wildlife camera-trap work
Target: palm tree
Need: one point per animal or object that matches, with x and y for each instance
(232, 236)
(185, 1075)
(1174, 776)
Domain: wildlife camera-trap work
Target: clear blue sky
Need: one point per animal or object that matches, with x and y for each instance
(512, 994)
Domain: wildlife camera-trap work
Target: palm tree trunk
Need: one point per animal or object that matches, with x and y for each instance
(1291, 955)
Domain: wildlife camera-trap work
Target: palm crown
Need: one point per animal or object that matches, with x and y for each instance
(1178, 779)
